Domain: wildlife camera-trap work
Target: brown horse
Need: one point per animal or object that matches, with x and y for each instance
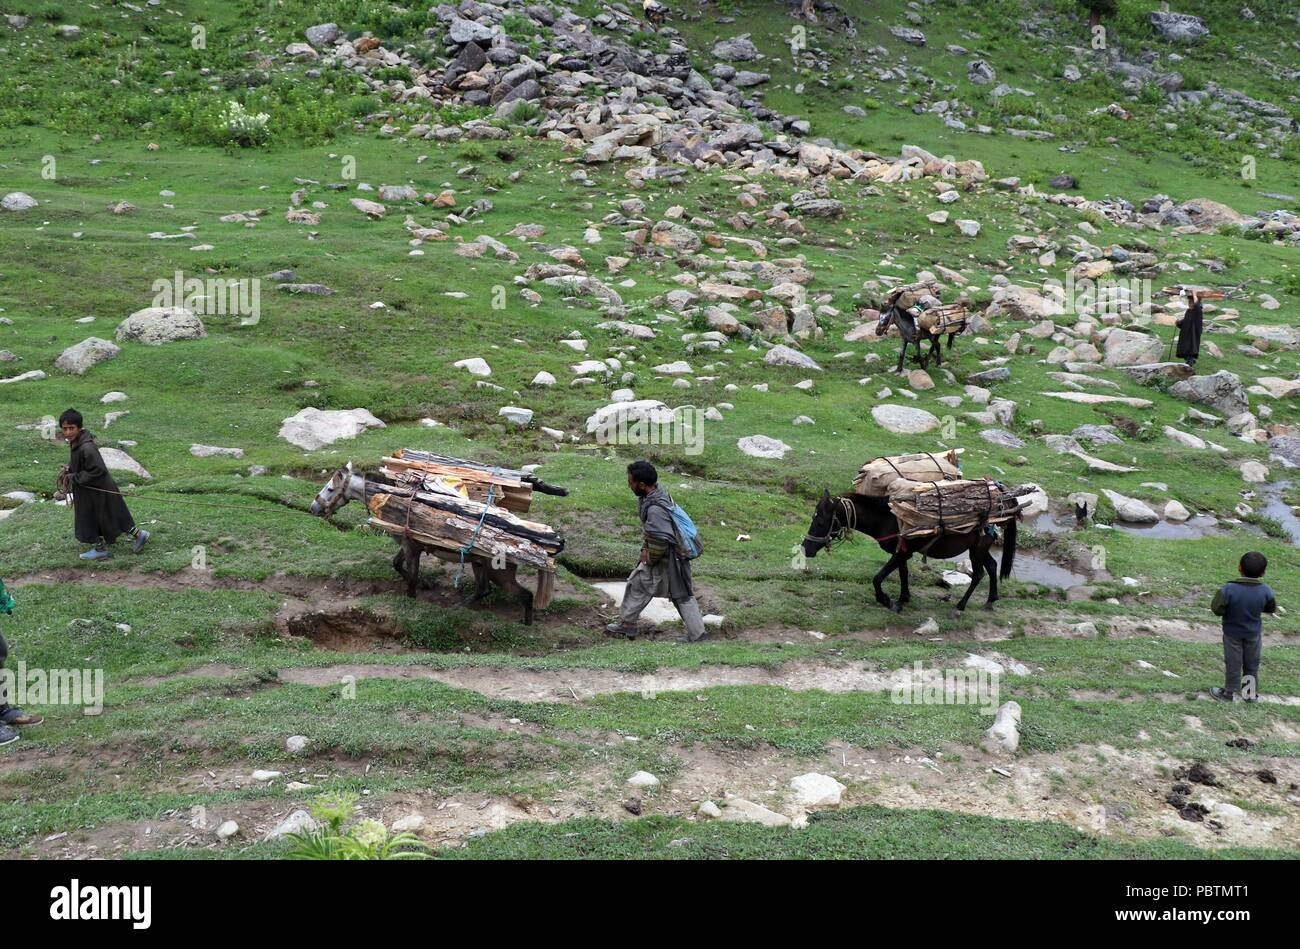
(836, 518)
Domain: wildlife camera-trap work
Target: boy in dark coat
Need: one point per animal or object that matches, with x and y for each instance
(1189, 331)
(1242, 603)
(100, 512)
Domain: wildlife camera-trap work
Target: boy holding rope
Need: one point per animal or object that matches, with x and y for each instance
(100, 512)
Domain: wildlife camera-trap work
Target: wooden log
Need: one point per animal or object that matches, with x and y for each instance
(453, 531)
(506, 490)
(954, 506)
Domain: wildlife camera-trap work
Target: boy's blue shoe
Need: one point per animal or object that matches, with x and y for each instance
(141, 538)
(7, 735)
(96, 554)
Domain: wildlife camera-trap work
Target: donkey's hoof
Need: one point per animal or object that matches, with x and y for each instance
(897, 607)
(990, 607)
(886, 602)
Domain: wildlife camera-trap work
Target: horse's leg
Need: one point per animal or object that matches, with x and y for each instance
(976, 574)
(902, 354)
(399, 560)
(904, 591)
(508, 580)
(936, 350)
(890, 566)
(411, 555)
(991, 566)
(481, 581)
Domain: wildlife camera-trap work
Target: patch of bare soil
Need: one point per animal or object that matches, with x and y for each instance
(578, 684)
(351, 630)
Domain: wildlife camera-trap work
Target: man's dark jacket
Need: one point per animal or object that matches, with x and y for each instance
(99, 508)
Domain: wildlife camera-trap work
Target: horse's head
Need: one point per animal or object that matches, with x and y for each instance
(827, 525)
(886, 319)
(334, 495)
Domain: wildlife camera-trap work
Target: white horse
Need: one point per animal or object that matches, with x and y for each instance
(346, 485)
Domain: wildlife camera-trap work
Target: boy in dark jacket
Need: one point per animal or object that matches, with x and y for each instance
(1242, 603)
(100, 512)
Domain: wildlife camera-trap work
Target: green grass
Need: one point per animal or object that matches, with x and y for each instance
(73, 258)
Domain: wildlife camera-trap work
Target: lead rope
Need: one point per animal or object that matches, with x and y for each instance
(487, 505)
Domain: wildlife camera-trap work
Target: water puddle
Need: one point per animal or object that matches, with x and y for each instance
(1031, 569)
(1199, 526)
(1276, 508)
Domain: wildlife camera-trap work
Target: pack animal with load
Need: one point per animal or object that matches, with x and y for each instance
(460, 511)
(912, 504)
(919, 315)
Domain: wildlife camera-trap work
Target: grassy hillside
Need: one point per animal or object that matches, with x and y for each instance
(541, 725)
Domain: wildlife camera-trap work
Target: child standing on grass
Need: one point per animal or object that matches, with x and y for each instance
(100, 512)
(1242, 603)
(9, 716)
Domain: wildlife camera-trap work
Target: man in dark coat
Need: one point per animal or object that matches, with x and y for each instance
(101, 514)
(662, 570)
(1189, 330)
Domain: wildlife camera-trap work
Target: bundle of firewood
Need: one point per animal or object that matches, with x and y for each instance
(946, 320)
(456, 523)
(455, 504)
(881, 477)
(954, 506)
(510, 489)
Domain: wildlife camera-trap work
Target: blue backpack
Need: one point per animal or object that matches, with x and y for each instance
(689, 544)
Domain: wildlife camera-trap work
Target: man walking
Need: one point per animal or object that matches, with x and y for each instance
(100, 513)
(1189, 330)
(664, 570)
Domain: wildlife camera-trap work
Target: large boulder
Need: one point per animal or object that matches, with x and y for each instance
(156, 325)
(737, 50)
(313, 429)
(117, 460)
(761, 446)
(1285, 448)
(17, 201)
(1126, 348)
(904, 420)
(1022, 303)
(323, 34)
(1221, 390)
(606, 420)
(1130, 510)
(89, 352)
(675, 237)
(785, 356)
(1181, 27)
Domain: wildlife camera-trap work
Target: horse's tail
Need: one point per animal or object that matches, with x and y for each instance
(1008, 547)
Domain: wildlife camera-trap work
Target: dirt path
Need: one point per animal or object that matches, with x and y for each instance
(1095, 789)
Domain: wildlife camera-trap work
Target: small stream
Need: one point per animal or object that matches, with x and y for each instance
(1275, 507)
